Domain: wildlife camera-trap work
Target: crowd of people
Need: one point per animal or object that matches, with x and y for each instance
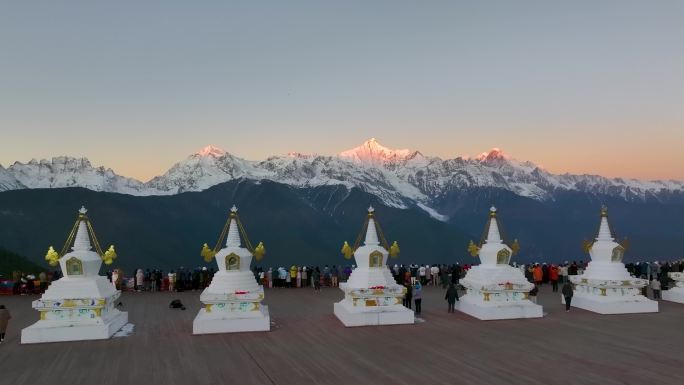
(413, 277)
(27, 283)
(656, 273)
(183, 279)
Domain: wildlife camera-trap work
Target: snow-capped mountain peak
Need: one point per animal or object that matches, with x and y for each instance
(65, 171)
(494, 154)
(212, 151)
(400, 178)
(372, 152)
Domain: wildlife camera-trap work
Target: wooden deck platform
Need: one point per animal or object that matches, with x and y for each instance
(308, 345)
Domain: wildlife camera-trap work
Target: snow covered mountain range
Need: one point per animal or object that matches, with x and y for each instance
(400, 178)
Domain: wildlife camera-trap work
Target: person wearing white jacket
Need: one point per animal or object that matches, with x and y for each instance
(435, 275)
(655, 286)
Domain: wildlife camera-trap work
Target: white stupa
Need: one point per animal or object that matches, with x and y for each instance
(606, 286)
(232, 302)
(675, 294)
(371, 296)
(81, 304)
(496, 290)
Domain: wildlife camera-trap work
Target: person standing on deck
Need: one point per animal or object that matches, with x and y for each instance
(395, 273)
(533, 294)
(316, 278)
(455, 276)
(115, 279)
(160, 280)
(655, 286)
(5, 316)
(564, 272)
(42, 277)
(553, 277)
(435, 275)
(326, 275)
(537, 274)
(305, 277)
(347, 272)
(567, 293)
(139, 280)
(445, 276)
(418, 296)
(293, 276)
(421, 274)
(408, 299)
(414, 273)
(299, 277)
(451, 297)
(334, 276)
(172, 281)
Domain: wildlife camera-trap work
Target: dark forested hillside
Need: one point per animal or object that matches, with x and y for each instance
(309, 225)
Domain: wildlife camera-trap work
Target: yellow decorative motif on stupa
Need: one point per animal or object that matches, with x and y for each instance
(108, 257)
(258, 252)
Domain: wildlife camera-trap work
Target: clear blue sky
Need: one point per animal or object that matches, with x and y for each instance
(578, 86)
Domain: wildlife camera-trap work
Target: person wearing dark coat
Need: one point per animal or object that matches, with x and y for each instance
(445, 276)
(567, 293)
(455, 276)
(451, 297)
(316, 277)
(5, 316)
(408, 298)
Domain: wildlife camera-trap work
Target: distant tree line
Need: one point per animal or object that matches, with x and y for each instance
(10, 261)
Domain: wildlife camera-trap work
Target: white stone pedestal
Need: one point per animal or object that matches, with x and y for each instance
(74, 319)
(497, 292)
(216, 321)
(380, 304)
(611, 296)
(488, 311)
(351, 315)
(228, 311)
(45, 331)
(675, 294)
(607, 305)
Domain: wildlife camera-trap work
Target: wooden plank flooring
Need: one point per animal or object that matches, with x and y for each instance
(308, 345)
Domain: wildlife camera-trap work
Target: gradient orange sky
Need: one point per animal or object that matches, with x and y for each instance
(581, 87)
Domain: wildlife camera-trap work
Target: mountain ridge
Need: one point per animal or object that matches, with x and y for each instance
(400, 178)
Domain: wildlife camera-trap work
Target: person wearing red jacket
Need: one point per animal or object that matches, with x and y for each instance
(553, 277)
(538, 274)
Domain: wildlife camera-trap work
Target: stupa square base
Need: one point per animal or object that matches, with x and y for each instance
(352, 316)
(225, 322)
(608, 305)
(488, 311)
(55, 331)
(673, 295)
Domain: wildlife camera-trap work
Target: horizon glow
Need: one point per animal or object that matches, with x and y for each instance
(136, 86)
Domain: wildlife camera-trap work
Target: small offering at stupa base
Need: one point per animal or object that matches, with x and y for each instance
(81, 304)
(232, 302)
(606, 287)
(496, 290)
(675, 294)
(371, 295)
